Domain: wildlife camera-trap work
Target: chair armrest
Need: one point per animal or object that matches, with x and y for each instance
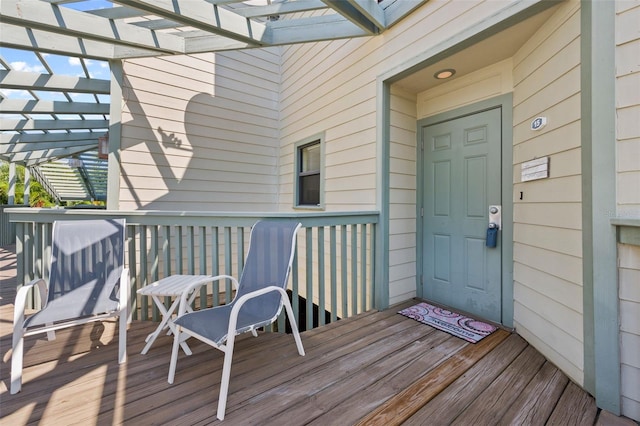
(233, 317)
(193, 287)
(21, 299)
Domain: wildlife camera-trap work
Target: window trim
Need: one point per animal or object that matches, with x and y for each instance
(319, 137)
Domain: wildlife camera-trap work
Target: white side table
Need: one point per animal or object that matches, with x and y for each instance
(172, 286)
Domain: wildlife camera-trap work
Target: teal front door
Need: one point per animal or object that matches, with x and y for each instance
(462, 181)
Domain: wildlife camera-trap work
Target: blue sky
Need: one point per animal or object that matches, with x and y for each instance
(21, 60)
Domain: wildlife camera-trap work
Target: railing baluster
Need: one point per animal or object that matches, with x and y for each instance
(133, 270)
(202, 242)
(321, 286)
(143, 270)
(240, 248)
(333, 273)
(153, 231)
(228, 263)
(191, 256)
(215, 265)
(179, 244)
(166, 255)
(363, 267)
(309, 278)
(343, 271)
(354, 269)
(372, 268)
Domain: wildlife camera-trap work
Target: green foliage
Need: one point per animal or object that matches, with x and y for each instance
(38, 197)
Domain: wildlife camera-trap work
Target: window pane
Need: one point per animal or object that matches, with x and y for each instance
(309, 190)
(310, 160)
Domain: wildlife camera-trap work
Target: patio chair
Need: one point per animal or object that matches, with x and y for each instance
(87, 282)
(260, 295)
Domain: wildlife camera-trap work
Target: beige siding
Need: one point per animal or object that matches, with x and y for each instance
(331, 87)
(487, 83)
(402, 197)
(629, 272)
(547, 221)
(628, 107)
(201, 132)
(628, 182)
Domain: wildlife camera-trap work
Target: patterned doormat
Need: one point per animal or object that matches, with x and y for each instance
(453, 323)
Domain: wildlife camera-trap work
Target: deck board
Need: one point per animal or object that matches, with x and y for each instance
(538, 399)
(492, 403)
(356, 370)
(449, 403)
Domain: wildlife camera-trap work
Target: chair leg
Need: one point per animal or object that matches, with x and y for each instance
(174, 354)
(226, 375)
(122, 337)
(16, 360)
(294, 325)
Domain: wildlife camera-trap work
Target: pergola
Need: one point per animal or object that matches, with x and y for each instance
(38, 133)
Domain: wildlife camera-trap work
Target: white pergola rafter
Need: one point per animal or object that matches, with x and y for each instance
(138, 28)
(37, 130)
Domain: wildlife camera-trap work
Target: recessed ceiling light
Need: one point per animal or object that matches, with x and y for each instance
(444, 74)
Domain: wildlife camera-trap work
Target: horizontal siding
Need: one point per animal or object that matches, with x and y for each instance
(402, 194)
(548, 250)
(487, 83)
(628, 108)
(628, 197)
(201, 132)
(629, 287)
(331, 87)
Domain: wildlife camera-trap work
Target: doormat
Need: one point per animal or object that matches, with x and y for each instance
(453, 323)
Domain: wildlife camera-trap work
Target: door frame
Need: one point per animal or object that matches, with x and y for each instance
(505, 103)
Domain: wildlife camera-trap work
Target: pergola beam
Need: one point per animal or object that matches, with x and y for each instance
(316, 28)
(275, 9)
(204, 16)
(33, 158)
(19, 37)
(366, 14)
(22, 147)
(53, 82)
(18, 125)
(35, 138)
(21, 106)
(62, 20)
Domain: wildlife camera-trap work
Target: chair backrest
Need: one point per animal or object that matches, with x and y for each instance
(87, 259)
(271, 251)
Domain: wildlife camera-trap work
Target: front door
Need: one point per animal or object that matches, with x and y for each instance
(462, 179)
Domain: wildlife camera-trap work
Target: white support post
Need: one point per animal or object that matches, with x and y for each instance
(12, 184)
(27, 187)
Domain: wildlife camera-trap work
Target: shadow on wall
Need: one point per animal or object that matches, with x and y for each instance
(211, 157)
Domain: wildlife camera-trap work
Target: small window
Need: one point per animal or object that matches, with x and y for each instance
(309, 173)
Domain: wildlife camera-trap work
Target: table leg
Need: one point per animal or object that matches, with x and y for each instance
(166, 317)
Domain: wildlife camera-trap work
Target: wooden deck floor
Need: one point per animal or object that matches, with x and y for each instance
(376, 368)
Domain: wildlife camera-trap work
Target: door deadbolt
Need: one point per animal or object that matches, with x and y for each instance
(495, 216)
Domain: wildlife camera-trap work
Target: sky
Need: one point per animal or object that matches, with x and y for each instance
(21, 60)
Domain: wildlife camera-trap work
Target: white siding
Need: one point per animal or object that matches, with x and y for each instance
(547, 221)
(628, 194)
(201, 132)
